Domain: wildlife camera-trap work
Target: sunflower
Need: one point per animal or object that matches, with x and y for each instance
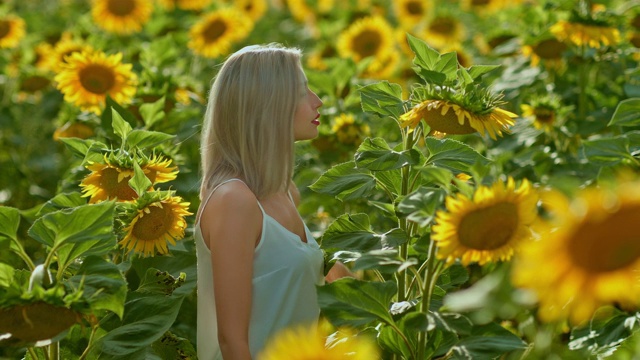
(255, 9)
(548, 50)
(88, 78)
(62, 49)
(368, 37)
(443, 30)
(110, 179)
(121, 16)
(311, 343)
(316, 58)
(12, 30)
(73, 129)
(217, 32)
(184, 4)
(480, 6)
(590, 251)
(302, 11)
(489, 227)
(450, 118)
(411, 12)
(156, 221)
(348, 131)
(583, 34)
(43, 53)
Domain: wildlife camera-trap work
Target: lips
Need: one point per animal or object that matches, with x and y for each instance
(316, 121)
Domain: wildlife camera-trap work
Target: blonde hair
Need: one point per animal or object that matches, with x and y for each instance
(248, 125)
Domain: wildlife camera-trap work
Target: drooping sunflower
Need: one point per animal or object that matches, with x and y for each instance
(443, 30)
(194, 5)
(412, 12)
(593, 34)
(110, 179)
(450, 118)
(310, 343)
(156, 221)
(590, 252)
(87, 78)
(369, 37)
(348, 131)
(488, 227)
(549, 51)
(121, 16)
(215, 34)
(12, 30)
(62, 49)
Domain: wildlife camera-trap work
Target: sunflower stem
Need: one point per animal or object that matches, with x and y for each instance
(54, 351)
(582, 85)
(431, 276)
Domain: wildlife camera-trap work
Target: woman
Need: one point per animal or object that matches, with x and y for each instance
(258, 264)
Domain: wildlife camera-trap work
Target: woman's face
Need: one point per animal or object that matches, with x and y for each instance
(307, 117)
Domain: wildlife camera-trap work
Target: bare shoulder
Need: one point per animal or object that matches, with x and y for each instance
(231, 207)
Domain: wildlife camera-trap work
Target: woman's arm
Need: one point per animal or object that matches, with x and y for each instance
(232, 224)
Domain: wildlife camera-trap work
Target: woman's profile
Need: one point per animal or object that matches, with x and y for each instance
(258, 264)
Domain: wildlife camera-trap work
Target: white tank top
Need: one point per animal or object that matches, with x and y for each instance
(286, 271)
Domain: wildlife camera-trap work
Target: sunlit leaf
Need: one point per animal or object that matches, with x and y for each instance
(452, 154)
(382, 98)
(375, 155)
(345, 182)
(627, 113)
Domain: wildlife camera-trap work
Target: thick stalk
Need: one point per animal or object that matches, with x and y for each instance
(431, 276)
(54, 351)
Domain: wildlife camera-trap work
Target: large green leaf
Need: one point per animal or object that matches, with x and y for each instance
(146, 319)
(607, 151)
(351, 232)
(152, 112)
(426, 57)
(376, 155)
(120, 126)
(180, 261)
(9, 222)
(627, 113)
(355, 302)
(78, 147)
(382, 98)
(62, 201)
(346, 182)
(452, 154)
(6, 275)
(140, 183)
(104, 286)
(107, 118)
(604, 334)
(147, 139)
(383, 260)
(422, 204)
(487, 342)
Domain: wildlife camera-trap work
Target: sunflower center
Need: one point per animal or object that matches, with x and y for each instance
(109, 183)
(608, 245)
(549, 49)
(121, 7)
(480, 2)
(414, 8)
(97, 79)
(214, 30)
(367, 43)
(544, 115)
(447, 123)
(635, 40)
(635, 22)
(489, 228)
(442, 26)
(153, 225)
(5, 27)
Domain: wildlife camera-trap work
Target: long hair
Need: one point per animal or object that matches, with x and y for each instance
(248, 125)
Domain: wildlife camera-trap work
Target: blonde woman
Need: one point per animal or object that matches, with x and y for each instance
(258, 264)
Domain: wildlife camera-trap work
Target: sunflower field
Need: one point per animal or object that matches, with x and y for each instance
(477, 168)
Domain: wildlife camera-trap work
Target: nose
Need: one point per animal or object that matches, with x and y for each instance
(318, 101)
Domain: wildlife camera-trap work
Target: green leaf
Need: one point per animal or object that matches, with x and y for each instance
(170, 346)
(180, 261)
(9, 222)
(385, 260)
(351, 232)
(448, 65)
(160, 282)
(78, 147)
(104, 286)
(437, 176)
(140, 183)
(426, 57)
(106, 120)
(376, 155)
(478, 70)
(627, 113)
(355, 302)
(152, 112)
(62, 201)
(120, 127)
(452, 154)
(487, 342)
(382, 98)
(607, 151)
(144, 139)
(422, 204)
(6, 275)
(345, 182)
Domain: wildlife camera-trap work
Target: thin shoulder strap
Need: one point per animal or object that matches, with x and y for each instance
(216, 188)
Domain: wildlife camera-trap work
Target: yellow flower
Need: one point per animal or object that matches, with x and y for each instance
(314, 343)
(442, 31)
(369, 37)
(485, 6)
(304, 12)
(489, 227)
(88, 78)
(75, 129)
(253, 8)
(583, 34)
(412, 12)
(184, 4)
(316, 58)
(155, 224)
(12, 30)
(544, 117)
(348, 132)
(588, 253)
(109, 180)
(449, 118)
(215, 34)
(66, 46)
(121, 16)
(548, 50)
